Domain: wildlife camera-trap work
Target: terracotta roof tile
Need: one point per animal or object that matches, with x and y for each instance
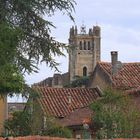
(60, 102)
(127, 77)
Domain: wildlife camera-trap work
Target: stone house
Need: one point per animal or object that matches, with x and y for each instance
(122, 76)
(68, 106)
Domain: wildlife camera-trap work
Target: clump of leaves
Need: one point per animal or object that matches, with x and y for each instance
(19, 124)
(116, 115)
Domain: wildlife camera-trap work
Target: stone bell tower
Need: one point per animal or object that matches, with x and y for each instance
(84, 52)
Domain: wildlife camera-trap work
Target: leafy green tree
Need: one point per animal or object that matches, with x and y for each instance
(116, 115)
(10, 76)
(19, 124)
(25, 38)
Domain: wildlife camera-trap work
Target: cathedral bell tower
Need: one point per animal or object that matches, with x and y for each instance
(84, 52)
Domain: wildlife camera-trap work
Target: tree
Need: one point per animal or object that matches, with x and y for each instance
(19, 124)
(116, 116)
(25, 38)
(11, 78)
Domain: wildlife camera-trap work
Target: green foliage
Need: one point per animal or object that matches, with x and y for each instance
(11, 80)
(52, 128)
(56, 130)
(33, 37)
(25, 39)
(19, 125)
(10, 76)
(116, 115)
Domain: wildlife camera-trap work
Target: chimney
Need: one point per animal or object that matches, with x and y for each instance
(114, 60)
(116, 65)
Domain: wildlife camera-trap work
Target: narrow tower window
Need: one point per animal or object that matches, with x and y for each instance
(80, 44)
(84, 45)
(88, 45)
(85, 71)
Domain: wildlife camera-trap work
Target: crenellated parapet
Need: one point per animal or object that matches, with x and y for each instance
(95, 31)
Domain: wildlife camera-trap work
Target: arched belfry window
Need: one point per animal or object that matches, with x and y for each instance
(88, 45)
(84, 71)
(85, 45)
(80, 44)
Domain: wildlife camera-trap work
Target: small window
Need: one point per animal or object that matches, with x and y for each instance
(88, 45)
(85, 71)
(85, 45)
(80, 44)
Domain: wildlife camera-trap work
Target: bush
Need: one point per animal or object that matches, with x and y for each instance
(57, 131)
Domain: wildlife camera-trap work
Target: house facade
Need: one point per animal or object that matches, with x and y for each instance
(122, 76)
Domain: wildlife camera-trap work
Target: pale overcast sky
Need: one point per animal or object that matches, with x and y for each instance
(120, 30)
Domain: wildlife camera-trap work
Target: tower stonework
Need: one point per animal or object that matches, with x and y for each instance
(84, 52)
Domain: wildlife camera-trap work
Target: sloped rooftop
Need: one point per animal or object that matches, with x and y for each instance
(127, 77)
(60, 102)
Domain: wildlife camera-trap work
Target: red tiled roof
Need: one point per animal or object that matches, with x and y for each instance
(60, 102)
(77, 117)
(106, 67)
(127, 77)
